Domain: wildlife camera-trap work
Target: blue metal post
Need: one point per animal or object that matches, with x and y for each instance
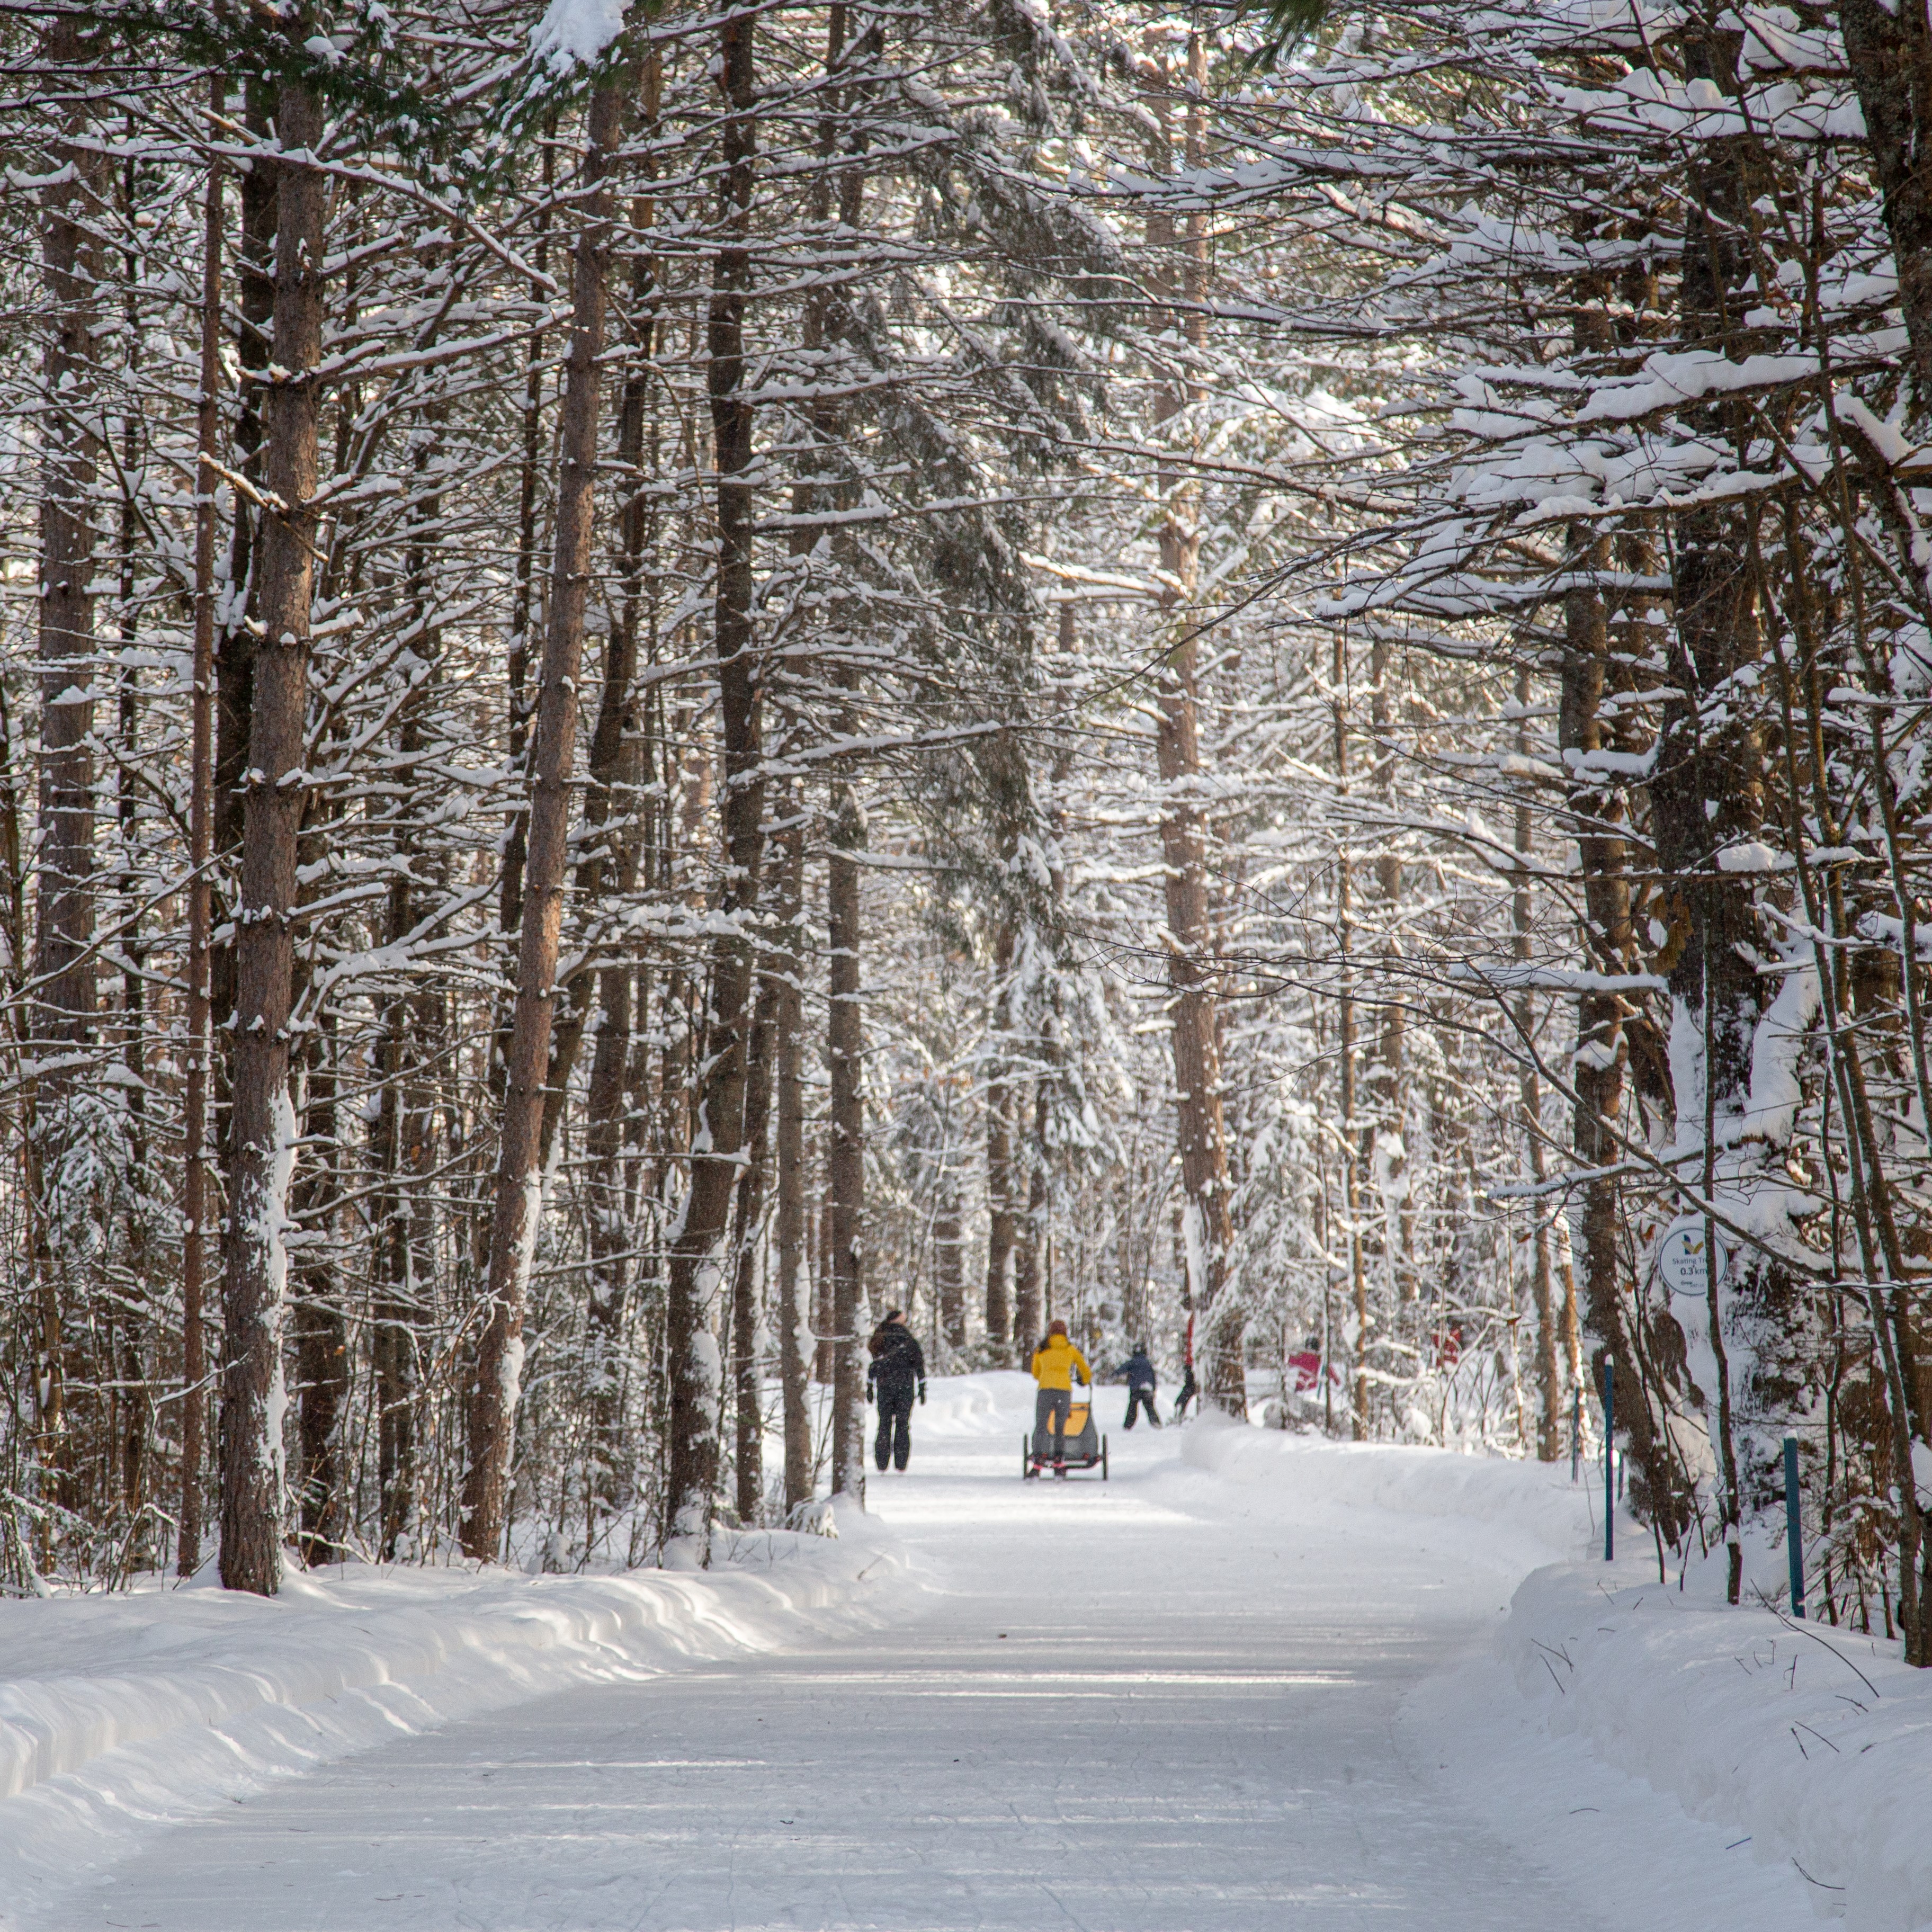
(1609, 1461)
(1794, 1527)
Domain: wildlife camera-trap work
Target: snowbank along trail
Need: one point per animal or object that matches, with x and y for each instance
(1182, 1700)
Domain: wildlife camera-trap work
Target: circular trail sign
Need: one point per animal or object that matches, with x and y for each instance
(1682, 1260)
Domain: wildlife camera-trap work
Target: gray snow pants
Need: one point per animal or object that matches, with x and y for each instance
(1050, 1410)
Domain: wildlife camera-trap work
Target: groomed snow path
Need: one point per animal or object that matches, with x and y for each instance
(1167, 1701)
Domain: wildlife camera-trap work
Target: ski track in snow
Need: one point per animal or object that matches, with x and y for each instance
(1172, 1701)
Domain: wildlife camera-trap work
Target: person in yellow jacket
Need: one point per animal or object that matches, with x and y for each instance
(1055, 1363)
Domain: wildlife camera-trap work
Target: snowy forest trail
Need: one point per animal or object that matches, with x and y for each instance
(1164, 1701)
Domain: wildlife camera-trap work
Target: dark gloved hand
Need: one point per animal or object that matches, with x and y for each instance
(922, 1395)
(869, 1395)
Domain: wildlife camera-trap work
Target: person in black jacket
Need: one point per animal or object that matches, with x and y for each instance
(1138, 1373)
(897, 1368)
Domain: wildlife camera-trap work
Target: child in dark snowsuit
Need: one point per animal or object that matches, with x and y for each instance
(1141, 1383)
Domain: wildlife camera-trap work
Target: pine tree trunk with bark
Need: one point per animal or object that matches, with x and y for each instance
(747, 1378)
(321, 1329)
(198, 1053)
(235, 640)
(262, 1131)
(518, 1202)
(1002, 1231)
(845, 1158)
(1029, 1306)
(1350, 1124)
(1208, 1229)
(72, 267)
(825, 1319)
(1388, 1076)
(392, 1310)
(795, 1343)
(60, 1205)
(1708, 789)
(1617, 1048)
(1549, 1376)
(515, 847)
(699, 1256)
(1596, 818)
(620, 771)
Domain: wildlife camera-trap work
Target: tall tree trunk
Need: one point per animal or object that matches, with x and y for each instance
(804, 1280)
(605, 1140)
(794, 1324)
(321, 1331)
(62, 1213)
(612, 806)
(1529, 1092)
(846, 1157)
(825, 1320)
(515, 843)
(240, 621)
(134, 1400)
(1350, 1124)
(1617, 1047)
(1029, 1308)
(519, 1190)
(608, 1135)
(396, 1157)
(608, 1129)
(698, 1260)
(263, 1130)
(1709, 788)
(1388, 1078)
(1208, 1228)
(523, 596)
(1033, 1282)
(754, 1178)
(393, 1313)
(71, 267)
(1001, 1230)
(609, 867)
(403, 1263)
(747, 1376)
(239, 624)
(1595, 816)
(1542, 1280)
(199, 1048)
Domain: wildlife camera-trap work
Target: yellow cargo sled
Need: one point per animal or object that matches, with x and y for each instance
(1085, 1447)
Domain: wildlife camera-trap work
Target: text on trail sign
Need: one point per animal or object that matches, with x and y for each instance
(1682, 1260)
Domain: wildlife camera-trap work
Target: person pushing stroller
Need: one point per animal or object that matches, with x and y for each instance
(1055, 1363)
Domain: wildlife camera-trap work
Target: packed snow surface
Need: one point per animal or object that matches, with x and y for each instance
(1253, 1680)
